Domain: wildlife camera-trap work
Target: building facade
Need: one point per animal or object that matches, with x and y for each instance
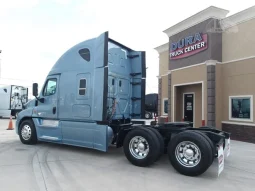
(207, 72)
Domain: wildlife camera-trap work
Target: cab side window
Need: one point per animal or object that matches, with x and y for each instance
(50, 88)
(82, 87)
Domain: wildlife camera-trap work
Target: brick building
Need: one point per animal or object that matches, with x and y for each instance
(207, 71)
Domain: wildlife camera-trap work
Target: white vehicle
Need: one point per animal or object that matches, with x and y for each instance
(12, 100)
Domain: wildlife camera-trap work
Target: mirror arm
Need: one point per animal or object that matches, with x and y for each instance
(40, 99)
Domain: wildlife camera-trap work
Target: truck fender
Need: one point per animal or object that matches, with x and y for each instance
(23, 115)
(122, 134)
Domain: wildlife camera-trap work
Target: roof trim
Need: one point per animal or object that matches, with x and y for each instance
(210, 12)
(162, 48)
(237, 60)
(239, 17)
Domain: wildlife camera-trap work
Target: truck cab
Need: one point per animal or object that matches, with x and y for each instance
(94, 84)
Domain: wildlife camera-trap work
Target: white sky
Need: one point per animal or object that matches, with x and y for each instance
(35, 33)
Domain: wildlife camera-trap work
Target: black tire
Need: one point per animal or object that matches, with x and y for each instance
(153, 123)
(206, 127)
(16, 115)
(201, 143)
(160, 139)
(148, 115)
(33, 138)
(213, 149)
(154, 147)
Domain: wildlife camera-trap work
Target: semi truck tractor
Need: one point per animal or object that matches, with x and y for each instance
(89, 99)
(12, 100)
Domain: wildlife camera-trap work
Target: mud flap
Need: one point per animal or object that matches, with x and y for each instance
(221, 158)
(227, 147)
(222, 155)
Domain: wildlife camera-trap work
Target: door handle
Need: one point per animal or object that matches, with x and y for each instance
(54, 110)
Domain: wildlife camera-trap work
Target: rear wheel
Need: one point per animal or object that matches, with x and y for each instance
(210, 142)
(141, 147)
(190, 153)
(27, 132)
(160, 139)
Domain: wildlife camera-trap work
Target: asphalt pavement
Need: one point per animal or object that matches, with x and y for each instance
(53, 167)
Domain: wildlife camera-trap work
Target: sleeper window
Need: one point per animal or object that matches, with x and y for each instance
(50, 87)
(82, 87)
(85, 54)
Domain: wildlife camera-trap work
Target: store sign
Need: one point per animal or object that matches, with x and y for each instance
(189, 106)
(188, 46)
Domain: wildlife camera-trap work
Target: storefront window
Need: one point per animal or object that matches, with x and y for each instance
(241, 108)
(165, 105)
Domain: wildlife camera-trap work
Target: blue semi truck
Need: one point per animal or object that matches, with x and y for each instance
(89, 99)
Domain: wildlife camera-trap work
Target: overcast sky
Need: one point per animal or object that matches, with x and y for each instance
(35, 33)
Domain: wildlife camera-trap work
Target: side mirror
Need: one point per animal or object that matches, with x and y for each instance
(35, 89)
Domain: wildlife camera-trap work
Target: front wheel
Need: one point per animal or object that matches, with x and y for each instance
(190, 153)
(27, 132)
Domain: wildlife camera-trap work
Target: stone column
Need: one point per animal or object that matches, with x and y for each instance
(211, 93)
(159, 95)
(169, 97)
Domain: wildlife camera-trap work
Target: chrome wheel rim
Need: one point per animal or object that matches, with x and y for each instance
(139, 147)
(26, 132)
(188, 154)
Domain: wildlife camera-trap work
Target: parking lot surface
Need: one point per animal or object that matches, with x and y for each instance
(52, 167)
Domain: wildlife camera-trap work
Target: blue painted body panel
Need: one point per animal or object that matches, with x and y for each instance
(47, 130)
(68, 116)
(119, 81)
(84, 134)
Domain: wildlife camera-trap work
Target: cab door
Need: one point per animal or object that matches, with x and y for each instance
(46, 112)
